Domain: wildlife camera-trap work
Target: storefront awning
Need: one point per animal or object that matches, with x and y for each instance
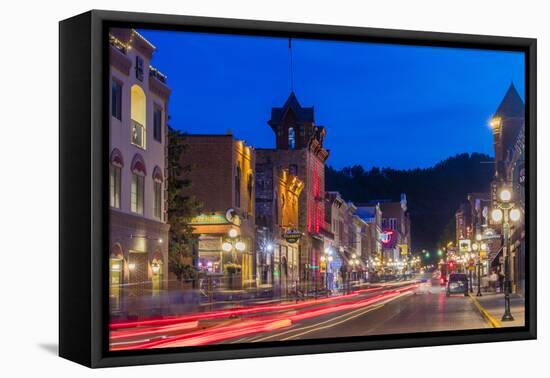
(493, 256)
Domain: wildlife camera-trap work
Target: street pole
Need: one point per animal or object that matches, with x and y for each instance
(479, 278)
(507, 281)
(471, 282)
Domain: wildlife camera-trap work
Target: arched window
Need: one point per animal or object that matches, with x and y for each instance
(157, 192)
(137, 193)
(238, 187)
(138, 126)
(115, 168)
(116, 252)
(291, 138)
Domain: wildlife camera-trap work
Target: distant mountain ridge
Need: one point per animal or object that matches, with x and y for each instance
(433, 194)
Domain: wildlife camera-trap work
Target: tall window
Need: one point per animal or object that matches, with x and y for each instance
(138, 115)
(291, 138)
(238, 188)
(157, 124)
(116, 100)
(250, 189)
(114, 186)
(139, 68)
(137, 193)
(276, 209)
(157, 199)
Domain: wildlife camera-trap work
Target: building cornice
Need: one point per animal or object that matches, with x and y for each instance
(159, 88)
(119, 61)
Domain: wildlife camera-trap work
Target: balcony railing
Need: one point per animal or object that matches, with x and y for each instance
(153, 72)
(137, 134)
(118, 44)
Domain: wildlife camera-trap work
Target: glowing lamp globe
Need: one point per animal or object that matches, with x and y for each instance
(496, 215)
(505, 195)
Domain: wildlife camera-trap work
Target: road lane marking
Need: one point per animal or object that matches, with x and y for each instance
(364, 311)
(318, 325)
(302, 328)
(495, 323)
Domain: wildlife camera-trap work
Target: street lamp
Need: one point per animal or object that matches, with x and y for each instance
(354, 262)
(234, 244)
(504, 213)
(481, 248)
(327, 258)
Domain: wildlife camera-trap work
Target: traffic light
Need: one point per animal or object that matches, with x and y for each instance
(427, 255)
(451, 265)
(439, 252)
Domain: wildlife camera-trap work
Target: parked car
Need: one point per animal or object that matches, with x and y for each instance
(457, 284)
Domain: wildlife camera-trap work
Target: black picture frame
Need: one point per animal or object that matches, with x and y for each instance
(83, 153)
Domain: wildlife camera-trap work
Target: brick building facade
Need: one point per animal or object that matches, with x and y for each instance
(277, 200)
(299, 148)
(222, 178)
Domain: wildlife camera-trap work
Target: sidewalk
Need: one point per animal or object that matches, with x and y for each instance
(491, 306)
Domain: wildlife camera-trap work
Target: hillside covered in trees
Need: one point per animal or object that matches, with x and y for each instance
(433, 194)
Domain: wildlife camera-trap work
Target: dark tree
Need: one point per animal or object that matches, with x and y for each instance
(433, 194)
(181, 209)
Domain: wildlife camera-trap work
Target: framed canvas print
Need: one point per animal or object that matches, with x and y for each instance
(233, 188)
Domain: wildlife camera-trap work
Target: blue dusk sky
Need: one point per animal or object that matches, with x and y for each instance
(382, 105)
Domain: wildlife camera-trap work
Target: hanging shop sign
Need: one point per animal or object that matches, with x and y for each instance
(403, 249)
(232, 217)
(521, 175)
(490, 234)
(292, 236)
(464, 245)
(209, 219)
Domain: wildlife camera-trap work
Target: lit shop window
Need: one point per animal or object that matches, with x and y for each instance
(138, 117)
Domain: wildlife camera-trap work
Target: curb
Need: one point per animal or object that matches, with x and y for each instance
(495, 323)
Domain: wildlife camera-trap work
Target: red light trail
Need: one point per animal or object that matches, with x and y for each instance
(264, 323)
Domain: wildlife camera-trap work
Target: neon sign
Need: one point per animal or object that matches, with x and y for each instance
(388, 238)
